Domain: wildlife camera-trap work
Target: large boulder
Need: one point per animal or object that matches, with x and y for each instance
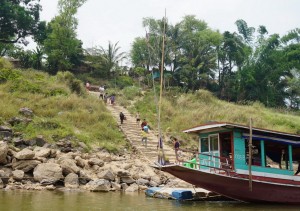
(123, 173)
(71, 181)
(18, 142)
(98, 185)
(69, 166)
(25, 165)
(18, 175)
(153, 184)
(127, 166)
(3, 152)
(25, 154)
(156, 179)
(95, 161)
(50, 172)
(80, 162)
(4, 176)
(105, 156)
(84, 177)
(142, 182)
(132, 188)
(5, 132)
(42, 152)
(26, 112)
(108, 175)
(127, 180)
(5, 128)
(40, 141)
(115, 186)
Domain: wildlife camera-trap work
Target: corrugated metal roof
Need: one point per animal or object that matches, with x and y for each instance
(215, 125)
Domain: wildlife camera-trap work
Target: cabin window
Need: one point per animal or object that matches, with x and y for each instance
(214, 143)
(210, 144)
(277, 155)
(204, 145)
(256, 152)
(210, 151)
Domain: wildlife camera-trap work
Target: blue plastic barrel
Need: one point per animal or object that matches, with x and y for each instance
(182, 194)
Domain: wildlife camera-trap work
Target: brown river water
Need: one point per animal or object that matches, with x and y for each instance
(73, 201)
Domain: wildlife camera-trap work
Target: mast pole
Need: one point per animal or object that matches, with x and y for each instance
(161, 87)
(161, 73)
(250, 156)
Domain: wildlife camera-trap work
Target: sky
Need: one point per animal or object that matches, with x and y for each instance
(101, 21)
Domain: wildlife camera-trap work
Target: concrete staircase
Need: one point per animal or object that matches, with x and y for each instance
(133, 133)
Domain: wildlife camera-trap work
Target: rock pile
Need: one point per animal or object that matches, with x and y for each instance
(36, 164)
(48, 167)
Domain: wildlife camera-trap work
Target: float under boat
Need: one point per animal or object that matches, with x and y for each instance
(222, 163)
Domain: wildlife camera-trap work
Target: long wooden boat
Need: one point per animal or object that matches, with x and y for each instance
(221, 165)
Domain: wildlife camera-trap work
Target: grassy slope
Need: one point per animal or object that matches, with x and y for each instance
(183, 111)
(58, 112)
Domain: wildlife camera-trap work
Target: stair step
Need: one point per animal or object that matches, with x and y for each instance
(132, 132)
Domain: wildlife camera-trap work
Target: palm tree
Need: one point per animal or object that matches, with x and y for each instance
(37, 57)
(111, 57)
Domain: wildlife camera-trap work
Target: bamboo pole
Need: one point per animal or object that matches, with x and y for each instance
(161, 86)
(250, 156)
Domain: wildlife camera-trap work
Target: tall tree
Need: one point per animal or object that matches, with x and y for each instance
(19, 19)
(291, 48)
(140, 53)
(198, 44)
(232, 53)
(62, 47)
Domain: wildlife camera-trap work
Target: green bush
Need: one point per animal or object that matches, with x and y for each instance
(9, 74)
(124, 81)
(4, 63)
(131, 92)
(24, 85)
(74, 84)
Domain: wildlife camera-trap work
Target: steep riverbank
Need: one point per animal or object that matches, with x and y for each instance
(38, 165)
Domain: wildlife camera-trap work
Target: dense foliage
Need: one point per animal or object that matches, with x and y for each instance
(247, 65)
(19, 19)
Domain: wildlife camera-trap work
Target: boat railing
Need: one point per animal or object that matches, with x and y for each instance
(210, 162)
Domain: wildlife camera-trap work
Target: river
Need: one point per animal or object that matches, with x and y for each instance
(115, 201)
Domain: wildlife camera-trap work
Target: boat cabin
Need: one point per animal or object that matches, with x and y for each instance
(226, 146)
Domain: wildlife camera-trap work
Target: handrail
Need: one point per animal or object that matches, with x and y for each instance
(222, 164)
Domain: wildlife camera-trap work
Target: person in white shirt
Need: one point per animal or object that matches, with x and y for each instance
(102, 91)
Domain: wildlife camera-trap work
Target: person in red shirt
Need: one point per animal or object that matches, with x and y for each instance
(144, 123)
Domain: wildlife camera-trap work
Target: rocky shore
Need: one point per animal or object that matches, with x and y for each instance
(37, 165)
